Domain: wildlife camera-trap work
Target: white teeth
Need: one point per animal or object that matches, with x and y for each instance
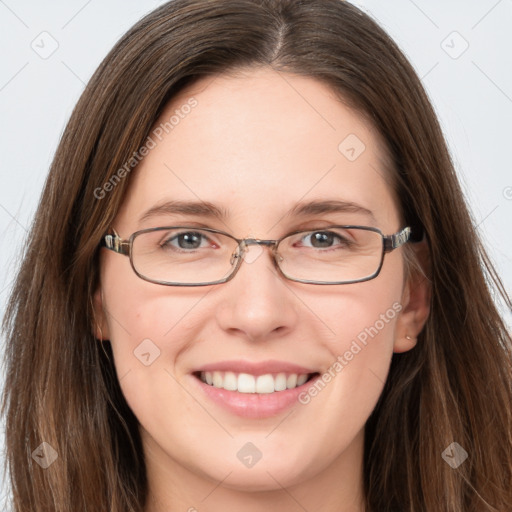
(247, 383)
(301, 379)
(265, 384)
(280, 382)
(217, 379)
(230, 381)
(291, 381)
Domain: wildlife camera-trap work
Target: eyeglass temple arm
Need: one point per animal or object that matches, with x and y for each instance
(395, 241)
(115, 243)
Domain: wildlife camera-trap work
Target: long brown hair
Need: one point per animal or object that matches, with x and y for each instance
(61, 387)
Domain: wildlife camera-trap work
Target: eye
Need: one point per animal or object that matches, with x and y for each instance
(189, 240)
(322, 239)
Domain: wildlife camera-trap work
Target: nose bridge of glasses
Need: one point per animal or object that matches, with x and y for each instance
(246, 242)
(257, 241)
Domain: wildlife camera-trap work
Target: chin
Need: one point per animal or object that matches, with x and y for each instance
(265, 475)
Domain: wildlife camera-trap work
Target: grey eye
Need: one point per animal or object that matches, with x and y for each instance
(188, 240)
(321, 239)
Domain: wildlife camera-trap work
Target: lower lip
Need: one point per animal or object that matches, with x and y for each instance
(254, 405)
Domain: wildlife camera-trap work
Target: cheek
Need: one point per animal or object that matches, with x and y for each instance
(361, 319)
(149, 336)
(150, 326)
(362, 314)
(142, 323)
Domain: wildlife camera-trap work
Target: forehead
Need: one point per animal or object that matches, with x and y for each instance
(257, 143)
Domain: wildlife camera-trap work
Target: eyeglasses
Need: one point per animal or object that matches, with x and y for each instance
(189, 256)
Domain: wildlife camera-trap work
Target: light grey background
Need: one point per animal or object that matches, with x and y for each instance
(471, 89)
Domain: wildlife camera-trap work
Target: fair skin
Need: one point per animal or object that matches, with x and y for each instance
(255, 145)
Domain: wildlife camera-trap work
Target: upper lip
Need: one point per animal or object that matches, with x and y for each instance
(255, 368)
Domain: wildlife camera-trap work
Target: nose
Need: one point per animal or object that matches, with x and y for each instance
(257, 304)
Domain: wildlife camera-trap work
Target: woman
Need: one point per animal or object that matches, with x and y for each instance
(253, 284)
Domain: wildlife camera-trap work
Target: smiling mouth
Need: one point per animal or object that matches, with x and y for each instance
(259, 384)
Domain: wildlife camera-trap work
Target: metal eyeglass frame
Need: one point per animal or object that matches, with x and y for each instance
(389, 243)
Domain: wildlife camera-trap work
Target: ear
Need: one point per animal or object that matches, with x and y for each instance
(100, 328)
(415, 301)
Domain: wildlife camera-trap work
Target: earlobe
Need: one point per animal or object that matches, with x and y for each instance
(415, 303)
(404, 343)
(100, 326)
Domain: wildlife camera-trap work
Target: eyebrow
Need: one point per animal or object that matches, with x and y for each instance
(210, 210)
(330, 206)
(195, 208)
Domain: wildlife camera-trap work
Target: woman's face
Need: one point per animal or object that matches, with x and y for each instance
(248, 157)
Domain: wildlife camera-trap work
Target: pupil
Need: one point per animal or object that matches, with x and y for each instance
(322, 239)
(189, 241)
